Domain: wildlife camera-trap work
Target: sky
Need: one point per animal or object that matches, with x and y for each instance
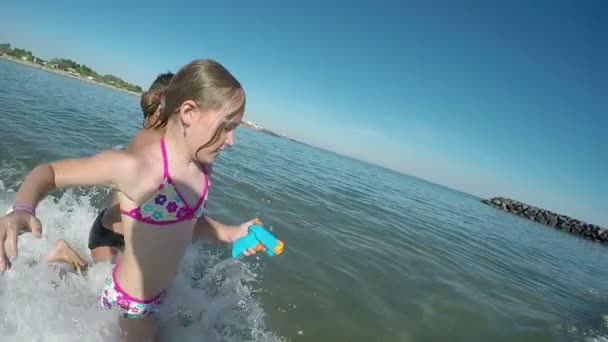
(493, 98)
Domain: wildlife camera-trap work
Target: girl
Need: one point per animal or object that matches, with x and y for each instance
(105, 237)
(161, 189)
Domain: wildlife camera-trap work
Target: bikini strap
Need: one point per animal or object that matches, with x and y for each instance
(165, 162)
(207, 181)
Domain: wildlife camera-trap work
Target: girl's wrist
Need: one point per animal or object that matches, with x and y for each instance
(25, 207)
(226, 233)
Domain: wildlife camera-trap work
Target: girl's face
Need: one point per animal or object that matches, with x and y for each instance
(208, 133)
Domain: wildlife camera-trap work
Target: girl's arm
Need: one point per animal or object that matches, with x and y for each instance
(208, 228)
(111, 168)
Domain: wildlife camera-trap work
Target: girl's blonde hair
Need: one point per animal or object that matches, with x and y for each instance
(212, 87)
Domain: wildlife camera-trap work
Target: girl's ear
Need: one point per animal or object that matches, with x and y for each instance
(187, 112)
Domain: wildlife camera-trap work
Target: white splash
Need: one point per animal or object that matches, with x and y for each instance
(210, 299)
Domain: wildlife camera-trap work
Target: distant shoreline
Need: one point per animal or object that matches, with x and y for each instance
(65, 74)
(255, 127)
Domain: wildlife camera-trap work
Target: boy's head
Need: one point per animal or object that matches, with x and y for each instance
(152, 99)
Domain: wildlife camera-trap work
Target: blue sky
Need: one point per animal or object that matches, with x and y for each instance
(488, 97)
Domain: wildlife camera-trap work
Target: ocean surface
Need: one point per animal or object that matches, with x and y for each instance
(371, 255)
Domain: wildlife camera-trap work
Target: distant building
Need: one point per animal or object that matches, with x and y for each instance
(39, 61)
(73, 72)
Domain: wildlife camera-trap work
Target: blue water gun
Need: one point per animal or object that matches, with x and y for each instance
(258, 238)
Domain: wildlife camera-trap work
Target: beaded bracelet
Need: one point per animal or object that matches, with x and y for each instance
(25, 207)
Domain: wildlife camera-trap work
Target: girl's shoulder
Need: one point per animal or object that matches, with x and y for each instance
(146, 174)
(144, 139)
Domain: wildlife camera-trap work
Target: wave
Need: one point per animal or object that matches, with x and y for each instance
(211, 298)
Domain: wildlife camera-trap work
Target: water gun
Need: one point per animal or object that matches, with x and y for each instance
(258, 238)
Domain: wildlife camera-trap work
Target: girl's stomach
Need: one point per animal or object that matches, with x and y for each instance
(152, 256)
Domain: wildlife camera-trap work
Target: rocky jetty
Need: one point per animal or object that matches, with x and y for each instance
(561, 222)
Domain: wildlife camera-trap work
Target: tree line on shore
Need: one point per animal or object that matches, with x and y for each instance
(69, 66)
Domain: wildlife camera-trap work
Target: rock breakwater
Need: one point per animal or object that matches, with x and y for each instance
(560, 222)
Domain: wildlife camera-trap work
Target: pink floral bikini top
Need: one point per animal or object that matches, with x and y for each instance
(167, 205)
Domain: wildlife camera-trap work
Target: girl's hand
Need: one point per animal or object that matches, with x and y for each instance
(234, 233)
(11, 226)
